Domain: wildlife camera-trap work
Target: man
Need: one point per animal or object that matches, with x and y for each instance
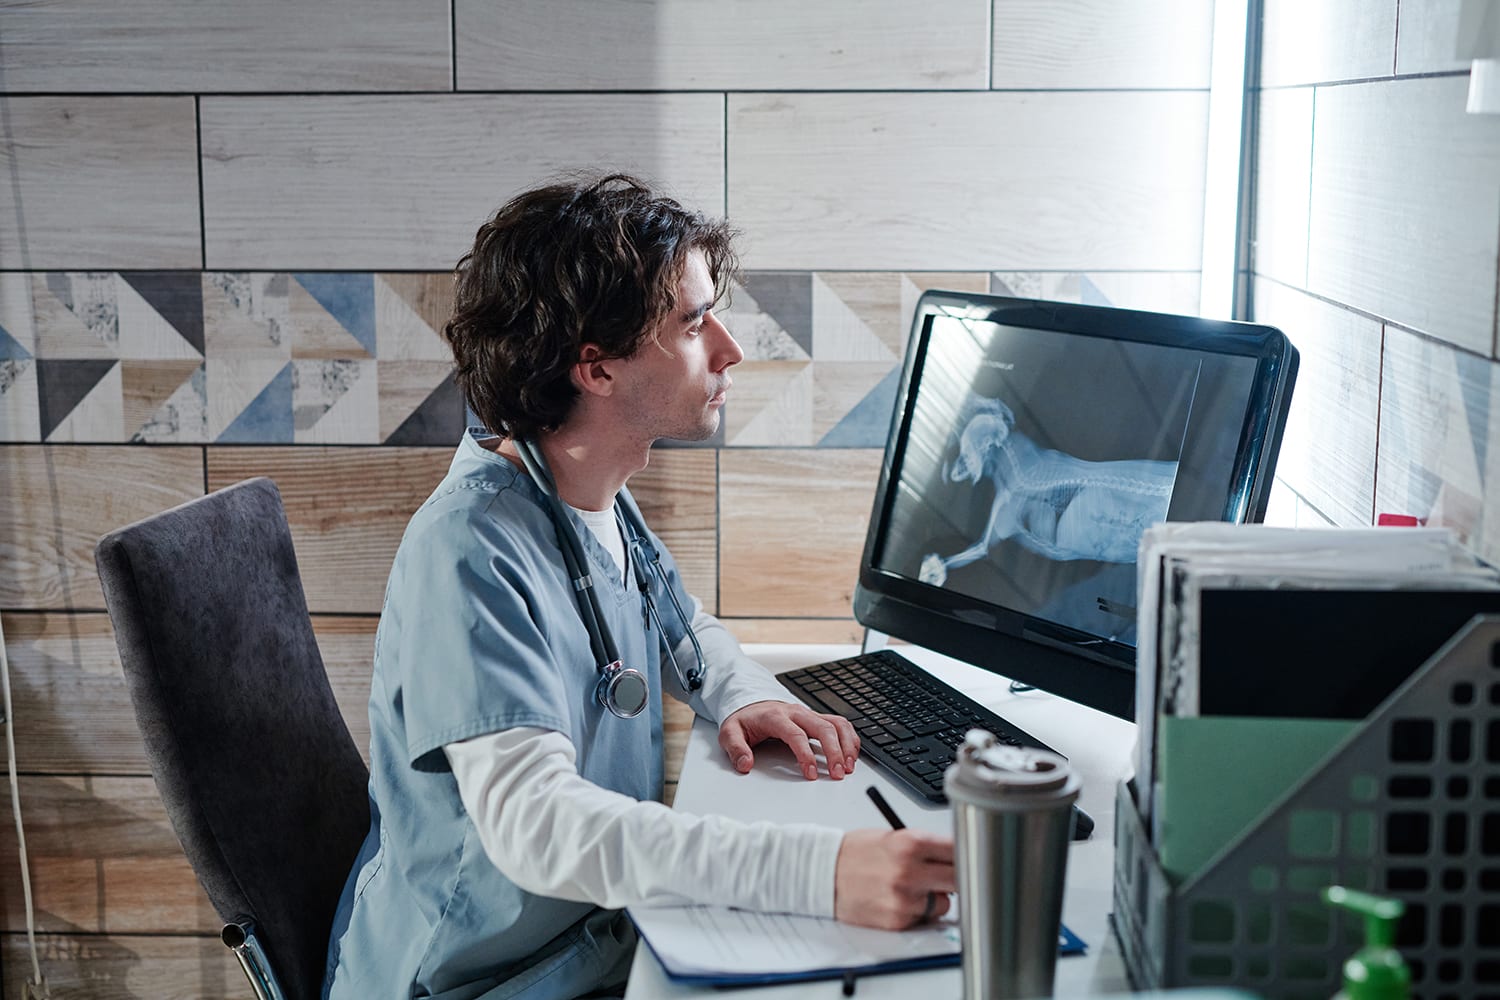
(513, 813)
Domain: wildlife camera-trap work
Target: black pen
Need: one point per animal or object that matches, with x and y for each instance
(885, 808)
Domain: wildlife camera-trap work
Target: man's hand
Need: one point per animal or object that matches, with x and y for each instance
(892, 879)
(796, 726)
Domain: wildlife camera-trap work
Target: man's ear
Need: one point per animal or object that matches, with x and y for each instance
(591, 374)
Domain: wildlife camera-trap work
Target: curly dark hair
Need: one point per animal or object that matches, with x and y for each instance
(593, 260)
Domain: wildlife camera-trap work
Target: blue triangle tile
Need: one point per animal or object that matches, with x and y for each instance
(1089, 293)
(10, 348)
(348, 298)
(268, 418)
(868, 423)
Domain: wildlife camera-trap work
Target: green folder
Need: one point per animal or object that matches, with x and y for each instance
(1217, 774)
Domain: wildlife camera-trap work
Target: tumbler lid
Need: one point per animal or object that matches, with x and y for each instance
(989, 769)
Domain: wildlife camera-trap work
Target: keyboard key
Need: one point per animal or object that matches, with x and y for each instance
(921, 768)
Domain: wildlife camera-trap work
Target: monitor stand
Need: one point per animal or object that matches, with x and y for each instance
(873, 641)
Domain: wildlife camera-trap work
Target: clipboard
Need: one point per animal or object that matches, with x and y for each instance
(720, 946)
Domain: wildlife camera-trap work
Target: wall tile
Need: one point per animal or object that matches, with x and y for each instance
(1427, 36)
(289, 183)
(1328, 450)
(1440, 438)
(1053, 181)
(1283, 171)
(780, 559)
(1096, 44)
(1153, 291)
(678, 494)
(347, 508)
(98, 46)
(1405, 211)
(127, 966)
(98, 182)
(60, 500)
(735, 45)
(1326, 41)
(104, 859)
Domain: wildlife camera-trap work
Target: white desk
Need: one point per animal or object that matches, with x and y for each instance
(1099, 746)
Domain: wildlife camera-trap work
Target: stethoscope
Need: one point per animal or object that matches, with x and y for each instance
(621, 689)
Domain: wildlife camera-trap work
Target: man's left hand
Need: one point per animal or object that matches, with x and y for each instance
(796, 726)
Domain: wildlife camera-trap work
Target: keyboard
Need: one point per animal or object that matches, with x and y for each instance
(908, 721)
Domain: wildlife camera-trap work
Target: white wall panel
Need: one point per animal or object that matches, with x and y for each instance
(1405, 206)
(98, 182)
(1440, 438)
(1313, 41)
(403, 182)
(1041, 181)
(1089, 44)
(101, 46)
(726, 45)
(1328, 450)
(1283, 170)
(1427, 36)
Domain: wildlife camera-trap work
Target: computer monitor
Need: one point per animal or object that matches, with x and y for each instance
(1031, 445)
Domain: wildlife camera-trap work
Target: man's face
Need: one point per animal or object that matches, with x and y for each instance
(674, 387)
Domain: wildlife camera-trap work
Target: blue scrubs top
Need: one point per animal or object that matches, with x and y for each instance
(480, 632)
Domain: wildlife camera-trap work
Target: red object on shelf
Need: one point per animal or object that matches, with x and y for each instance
(1397, 521)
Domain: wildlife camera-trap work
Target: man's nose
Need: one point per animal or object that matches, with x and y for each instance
(727, 350)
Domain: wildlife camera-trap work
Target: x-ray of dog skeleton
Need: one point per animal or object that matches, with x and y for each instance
(1055, 504)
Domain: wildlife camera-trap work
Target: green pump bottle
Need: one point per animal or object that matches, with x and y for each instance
(1377, 971)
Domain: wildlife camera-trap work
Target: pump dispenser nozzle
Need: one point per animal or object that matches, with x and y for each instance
(1376, 971)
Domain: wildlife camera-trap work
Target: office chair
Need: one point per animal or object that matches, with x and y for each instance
(261, 780)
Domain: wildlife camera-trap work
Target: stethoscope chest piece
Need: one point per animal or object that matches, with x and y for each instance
(622, 690)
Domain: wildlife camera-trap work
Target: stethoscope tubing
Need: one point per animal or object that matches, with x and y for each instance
(575, 561)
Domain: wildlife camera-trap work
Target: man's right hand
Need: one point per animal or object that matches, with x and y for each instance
(884, 877)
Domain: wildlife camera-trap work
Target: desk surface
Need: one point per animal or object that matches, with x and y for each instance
(1098, 745)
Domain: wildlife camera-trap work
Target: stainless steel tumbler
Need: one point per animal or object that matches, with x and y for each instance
(1012, 817)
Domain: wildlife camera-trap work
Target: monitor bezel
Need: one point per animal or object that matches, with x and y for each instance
(1032, 651)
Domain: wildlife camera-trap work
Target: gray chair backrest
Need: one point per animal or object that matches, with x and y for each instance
(261, 779)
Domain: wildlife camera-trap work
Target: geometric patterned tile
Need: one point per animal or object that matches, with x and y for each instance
(349, 299)
(406, 390)
(772, 404)
(165, 402)
(250, 400)
(75, 314)
(410, 312)
(17, 323)
(20, 409)
(95, 415)
(176, 297)
(246, 315)
(62, 386)
(335, 402)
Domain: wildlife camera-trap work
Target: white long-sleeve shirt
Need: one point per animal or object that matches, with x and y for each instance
(554, 833)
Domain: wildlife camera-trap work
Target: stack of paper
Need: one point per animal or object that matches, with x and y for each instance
(1260, 649)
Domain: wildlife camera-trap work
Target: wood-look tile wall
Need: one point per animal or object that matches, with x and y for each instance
(1377, 250)
(224, 239)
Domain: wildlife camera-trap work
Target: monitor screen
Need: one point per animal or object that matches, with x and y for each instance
(1031, 446)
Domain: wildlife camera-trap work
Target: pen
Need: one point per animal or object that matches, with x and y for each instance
(885, 808)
